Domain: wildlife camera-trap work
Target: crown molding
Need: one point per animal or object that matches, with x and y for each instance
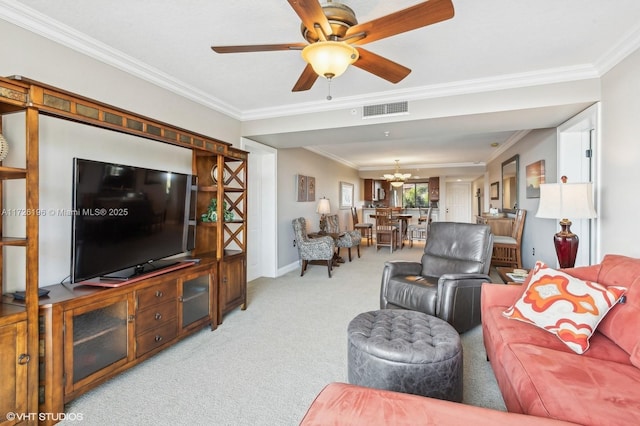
(31, 20)
(619, 51)
(38, 23)
(331, 156)
(422, 166)
(463, 87)
(513, 139)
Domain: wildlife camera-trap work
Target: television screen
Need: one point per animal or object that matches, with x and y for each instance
(126, 218)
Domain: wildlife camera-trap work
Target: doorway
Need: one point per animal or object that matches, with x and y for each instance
(261, 210)
(577, 150)
(458, 202)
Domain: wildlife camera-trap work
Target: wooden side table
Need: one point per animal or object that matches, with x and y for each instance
(503, 271)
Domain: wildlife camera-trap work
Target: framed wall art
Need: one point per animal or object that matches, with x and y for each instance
(311, 188)
(346, 195)
(301, 187)
(494, 191)
(535, 176)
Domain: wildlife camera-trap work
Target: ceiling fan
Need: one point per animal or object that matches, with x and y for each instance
(332, 31)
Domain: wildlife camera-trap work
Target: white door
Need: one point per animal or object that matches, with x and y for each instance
(261, 211)
(458, 202)
(576, 160)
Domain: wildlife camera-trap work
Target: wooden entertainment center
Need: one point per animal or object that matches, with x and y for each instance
(76, 337)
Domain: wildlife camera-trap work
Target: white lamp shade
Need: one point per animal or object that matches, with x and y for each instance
(323, 206)
(566, 201)
(330, 59)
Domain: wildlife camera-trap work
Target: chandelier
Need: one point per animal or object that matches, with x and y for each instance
(397, 179)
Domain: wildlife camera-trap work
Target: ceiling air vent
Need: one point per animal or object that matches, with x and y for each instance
(394, 108)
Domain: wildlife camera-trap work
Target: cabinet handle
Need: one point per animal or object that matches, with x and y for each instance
(159, 293)
(224, 280)
(131, 318)
(24, 359)
(158, 316)
(158, 338)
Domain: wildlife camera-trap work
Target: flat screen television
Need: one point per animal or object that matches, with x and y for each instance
(127, 219)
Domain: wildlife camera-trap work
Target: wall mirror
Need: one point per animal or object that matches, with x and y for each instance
(510, 180)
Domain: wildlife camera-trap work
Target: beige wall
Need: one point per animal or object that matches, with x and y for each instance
(328, 174)
(37, 58)
(538, 233)
(620, 158)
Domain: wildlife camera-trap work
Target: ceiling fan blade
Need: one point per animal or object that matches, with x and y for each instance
(306, 80)
(258, 48)
(414, 17)
(380, 66)
(311, 13)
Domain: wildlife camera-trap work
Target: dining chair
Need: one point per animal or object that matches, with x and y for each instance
(386, 229)
(366, 229)
(507, 250)
(420, 231)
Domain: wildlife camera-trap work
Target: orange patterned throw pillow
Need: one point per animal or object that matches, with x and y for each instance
(564, 305)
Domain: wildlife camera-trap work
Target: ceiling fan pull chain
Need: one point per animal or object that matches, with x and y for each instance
(329, 95)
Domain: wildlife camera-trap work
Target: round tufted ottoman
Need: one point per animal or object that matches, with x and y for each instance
(405, 351)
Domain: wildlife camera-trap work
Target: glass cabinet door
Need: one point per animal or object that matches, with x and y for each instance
(195, 299)
(97, 337)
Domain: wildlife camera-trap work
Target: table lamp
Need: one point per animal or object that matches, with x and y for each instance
(324, 208)
(566, 200)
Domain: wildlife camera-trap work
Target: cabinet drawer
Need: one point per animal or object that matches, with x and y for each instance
(155, 316)
(157, 294)
(156, 337)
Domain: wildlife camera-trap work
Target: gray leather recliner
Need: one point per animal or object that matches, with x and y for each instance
(446, 283)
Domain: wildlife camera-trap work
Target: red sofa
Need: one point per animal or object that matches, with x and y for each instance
(343, 404)
(539, 375)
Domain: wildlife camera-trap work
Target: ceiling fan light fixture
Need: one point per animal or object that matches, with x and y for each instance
(330, 59)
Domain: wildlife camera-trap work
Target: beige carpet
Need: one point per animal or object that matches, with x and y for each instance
(265, 365)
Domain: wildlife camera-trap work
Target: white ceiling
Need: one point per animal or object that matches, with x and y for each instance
(486, 43)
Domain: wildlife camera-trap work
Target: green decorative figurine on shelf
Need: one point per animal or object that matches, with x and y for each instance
(212, 212)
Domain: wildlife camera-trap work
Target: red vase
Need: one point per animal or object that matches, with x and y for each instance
(566, 243)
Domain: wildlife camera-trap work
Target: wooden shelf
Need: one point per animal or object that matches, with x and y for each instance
(11, 241)
(12, 173)
(208, 188)
(11, 313)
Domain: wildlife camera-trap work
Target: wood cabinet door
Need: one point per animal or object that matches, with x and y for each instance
(13, 365)
(369, 190)
(233, 284)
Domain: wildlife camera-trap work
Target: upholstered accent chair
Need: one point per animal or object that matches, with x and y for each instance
(312, 249)
(348, 240)
(446, 282)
